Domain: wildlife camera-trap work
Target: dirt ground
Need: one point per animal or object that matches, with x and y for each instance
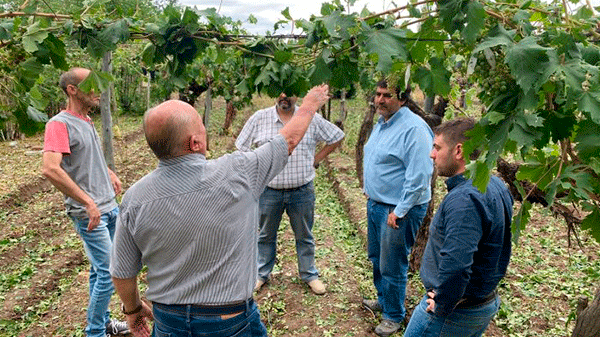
(43, 287)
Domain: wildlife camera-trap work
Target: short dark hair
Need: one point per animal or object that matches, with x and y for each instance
(454, 132)
(401, 95)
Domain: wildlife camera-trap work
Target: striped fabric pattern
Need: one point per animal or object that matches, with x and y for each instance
(85, 163)
(194, 223)
(265, 124)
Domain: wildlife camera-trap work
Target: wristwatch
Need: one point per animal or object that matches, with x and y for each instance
(134, 311)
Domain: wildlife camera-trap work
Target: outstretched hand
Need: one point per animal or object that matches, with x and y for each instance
(316, 97)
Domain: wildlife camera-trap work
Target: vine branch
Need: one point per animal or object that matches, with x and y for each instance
(394, 10)
(45, 15)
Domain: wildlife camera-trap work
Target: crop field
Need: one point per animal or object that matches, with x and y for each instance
(43, 269)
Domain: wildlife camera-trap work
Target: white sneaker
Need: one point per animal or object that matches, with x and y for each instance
(116, 328)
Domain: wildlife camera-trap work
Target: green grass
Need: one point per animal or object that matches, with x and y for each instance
(539, 294)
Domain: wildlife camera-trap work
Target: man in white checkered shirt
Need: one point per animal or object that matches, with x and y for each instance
(292, 190)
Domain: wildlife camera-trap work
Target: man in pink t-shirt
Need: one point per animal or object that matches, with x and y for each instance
(73, 162)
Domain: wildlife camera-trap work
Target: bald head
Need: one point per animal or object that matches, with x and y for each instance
(72, 77)
(174, 129)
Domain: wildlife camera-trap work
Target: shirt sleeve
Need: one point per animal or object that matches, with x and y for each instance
(327, 132)
(463, 223)
(419, 167)
(269, 161)
(126, 258)
(245, 138)
(56, 138)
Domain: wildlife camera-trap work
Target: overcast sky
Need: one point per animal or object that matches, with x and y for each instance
(268, 12)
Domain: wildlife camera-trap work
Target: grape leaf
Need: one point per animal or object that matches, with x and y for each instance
(5, 29)
(338, 25)
(387, 44)
(521, 219)
(434, 81)
(57, 52)
(592, 222)
(29, 71)
(286, 13)
(588, 140)
(115, 33)
(498, 36)
(96, 81)
(475, 21)
(319, 72)
(32, 37)
(148, 54)
(422, 43)
(530, 64)
(590, 103)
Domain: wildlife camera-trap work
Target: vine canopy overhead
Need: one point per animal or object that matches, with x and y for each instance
(534, 66)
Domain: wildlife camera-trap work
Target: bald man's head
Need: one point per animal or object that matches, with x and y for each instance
(173, 129)
(72, 77)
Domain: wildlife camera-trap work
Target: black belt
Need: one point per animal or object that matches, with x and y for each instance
(208, 310)
(469, 302)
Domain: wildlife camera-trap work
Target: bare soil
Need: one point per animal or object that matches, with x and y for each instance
(43, 288)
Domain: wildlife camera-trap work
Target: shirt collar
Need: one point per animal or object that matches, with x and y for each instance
(85, 118)
(396, 116)
(275, 115)
(454, 181)
(181, 159)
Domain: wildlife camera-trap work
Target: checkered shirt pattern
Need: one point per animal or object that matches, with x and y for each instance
(265, 124)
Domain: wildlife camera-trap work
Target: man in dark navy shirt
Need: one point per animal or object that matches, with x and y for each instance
(469, 246)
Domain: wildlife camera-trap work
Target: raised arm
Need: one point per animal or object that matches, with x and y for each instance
(294, 130)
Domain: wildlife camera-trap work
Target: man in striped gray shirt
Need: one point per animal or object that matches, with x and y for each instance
(194, 224)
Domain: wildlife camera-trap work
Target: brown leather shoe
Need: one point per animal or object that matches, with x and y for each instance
(317, 287)
(372, 305)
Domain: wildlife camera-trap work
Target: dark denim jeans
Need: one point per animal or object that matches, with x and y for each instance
(299, 204)
(98, 244)
(388, 250)
(182, 321)
(466, 322)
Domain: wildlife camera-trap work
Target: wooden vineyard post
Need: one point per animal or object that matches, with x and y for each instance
(230, 113)
(429, 101)
(423, 233)
(363, 135)
(106, 116)
(588, 324)
(149, 80)
(343, 109)
(207, 111)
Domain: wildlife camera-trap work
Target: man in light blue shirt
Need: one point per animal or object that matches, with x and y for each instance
(397, 176)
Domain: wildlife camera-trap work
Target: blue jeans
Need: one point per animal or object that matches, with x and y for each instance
(182, 321)
(388, 250)
(299, 204)
(98, 244)
(466, 322)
